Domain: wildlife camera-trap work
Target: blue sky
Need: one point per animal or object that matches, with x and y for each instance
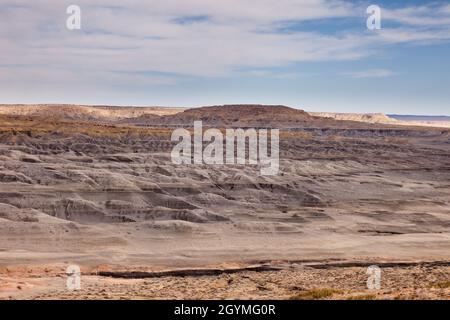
(316, 55)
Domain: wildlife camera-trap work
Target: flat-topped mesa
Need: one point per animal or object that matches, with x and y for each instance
(83, 112)
(251, 111)
(361, 117)
(240, 116)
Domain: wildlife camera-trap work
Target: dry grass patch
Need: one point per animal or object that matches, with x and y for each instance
(363, 297)
(17, 125)
(442, 285)
(315, 294)
(296, 135)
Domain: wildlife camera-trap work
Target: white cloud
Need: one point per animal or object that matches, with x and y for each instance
(144, 36)
(410, 35)
(371, 73)
(420, 16)
(144, 39)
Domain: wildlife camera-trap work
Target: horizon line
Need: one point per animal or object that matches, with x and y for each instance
(210, 105)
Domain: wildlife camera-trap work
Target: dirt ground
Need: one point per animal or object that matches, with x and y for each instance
(291, 281)
(76, 189)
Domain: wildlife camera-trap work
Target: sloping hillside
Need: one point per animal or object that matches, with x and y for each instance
(361, 117)
(81, 112)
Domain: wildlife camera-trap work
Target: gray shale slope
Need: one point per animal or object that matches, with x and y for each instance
(84, 191)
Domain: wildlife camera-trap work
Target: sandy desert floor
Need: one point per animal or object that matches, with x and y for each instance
(290, 281)
(104, 195)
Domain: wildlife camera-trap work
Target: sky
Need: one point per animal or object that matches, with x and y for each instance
(316, 55)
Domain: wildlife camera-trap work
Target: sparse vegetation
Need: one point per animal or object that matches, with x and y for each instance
(16, 125)
(442, 285)
(315, 294)
(363, 297)
(296, 135)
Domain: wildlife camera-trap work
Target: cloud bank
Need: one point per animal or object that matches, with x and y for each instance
(162, 42)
